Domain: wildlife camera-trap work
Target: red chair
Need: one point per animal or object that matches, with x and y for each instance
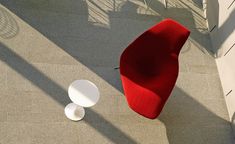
(149, 67)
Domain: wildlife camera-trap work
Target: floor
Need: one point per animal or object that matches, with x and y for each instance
(47, 44)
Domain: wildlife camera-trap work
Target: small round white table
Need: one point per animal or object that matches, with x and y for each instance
(82, 93)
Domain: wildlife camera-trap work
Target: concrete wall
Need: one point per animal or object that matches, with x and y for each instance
(220, 16)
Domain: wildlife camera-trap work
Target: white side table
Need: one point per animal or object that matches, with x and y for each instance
(82, 93)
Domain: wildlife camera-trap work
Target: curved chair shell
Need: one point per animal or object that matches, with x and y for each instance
(149, 67)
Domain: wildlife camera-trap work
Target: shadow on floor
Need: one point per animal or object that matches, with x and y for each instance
(198, 3)
(68, 24)
(181, 110)
(187, 121)
(233, 123)
(8, 25)
(56, 92)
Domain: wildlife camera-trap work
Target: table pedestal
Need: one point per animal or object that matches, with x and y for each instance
(74, 112)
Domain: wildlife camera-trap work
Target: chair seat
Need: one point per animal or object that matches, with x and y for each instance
(146, 93)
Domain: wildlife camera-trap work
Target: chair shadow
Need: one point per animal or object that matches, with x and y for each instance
(188, 121)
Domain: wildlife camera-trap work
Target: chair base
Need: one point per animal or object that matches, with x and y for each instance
(74, 112)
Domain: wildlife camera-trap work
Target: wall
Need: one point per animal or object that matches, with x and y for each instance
(220, 16)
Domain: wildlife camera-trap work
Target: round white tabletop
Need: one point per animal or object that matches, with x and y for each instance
(83, 93)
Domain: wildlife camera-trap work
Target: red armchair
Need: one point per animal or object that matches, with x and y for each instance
(149, 67)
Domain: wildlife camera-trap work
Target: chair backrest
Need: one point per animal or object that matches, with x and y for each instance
(170, 34)
(156, 44)
(167, 36)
